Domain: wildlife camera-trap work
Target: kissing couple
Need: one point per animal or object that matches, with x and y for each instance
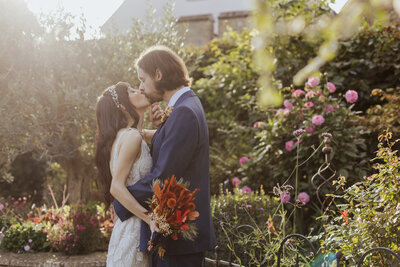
(129, 159)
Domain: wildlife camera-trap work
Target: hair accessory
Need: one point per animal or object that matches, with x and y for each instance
(114, 95)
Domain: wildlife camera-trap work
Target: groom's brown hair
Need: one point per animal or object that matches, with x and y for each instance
(173, 69)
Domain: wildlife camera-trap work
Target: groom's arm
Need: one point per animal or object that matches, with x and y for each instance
(176, 151)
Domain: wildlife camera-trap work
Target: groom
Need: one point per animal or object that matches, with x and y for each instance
(180, 147)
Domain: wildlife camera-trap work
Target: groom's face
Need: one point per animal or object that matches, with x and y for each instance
(148, 87)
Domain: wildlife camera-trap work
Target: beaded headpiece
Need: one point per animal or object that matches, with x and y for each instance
(114, 95)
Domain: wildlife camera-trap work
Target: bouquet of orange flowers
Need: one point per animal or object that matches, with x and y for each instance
(173, 210)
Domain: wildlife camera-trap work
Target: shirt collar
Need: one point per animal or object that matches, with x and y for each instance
(177, 94)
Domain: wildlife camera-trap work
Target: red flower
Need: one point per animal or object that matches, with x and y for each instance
(180, 218)
(345, 216)
(184, 227)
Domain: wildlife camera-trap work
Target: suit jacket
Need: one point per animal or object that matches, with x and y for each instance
(180, 147)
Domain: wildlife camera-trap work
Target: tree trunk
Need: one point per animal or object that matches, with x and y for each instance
(79, 178)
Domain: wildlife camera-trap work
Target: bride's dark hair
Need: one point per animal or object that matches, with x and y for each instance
(110, 119)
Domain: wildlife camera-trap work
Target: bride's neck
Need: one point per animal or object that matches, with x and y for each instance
(140, 122)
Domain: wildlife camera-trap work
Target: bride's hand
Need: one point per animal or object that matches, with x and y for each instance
(155, 114)
(114, 216)
(153, 227)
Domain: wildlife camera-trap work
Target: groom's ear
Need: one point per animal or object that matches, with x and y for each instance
(158, 75)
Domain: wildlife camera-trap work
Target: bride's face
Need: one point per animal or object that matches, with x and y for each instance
(138, 100)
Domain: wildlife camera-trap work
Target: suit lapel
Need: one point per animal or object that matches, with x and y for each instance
(157, 133)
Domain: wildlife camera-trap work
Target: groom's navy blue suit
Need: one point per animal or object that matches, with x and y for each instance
(180, 146)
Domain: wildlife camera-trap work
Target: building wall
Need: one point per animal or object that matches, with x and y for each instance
(121, 20)
(198, 30)
(238, 21)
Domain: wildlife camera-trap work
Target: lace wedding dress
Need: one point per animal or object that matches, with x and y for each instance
(123, 249)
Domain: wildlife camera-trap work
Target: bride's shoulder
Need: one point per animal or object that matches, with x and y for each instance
(131, 136)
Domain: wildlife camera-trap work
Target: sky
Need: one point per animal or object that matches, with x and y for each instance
(97, 12)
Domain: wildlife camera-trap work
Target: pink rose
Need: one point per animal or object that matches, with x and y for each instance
(318, 120)
(80, 227)
(236, 182)
(310, 129)
(309, 104)
(298, 93)
(351, 96)
(330, 108)
(246, 190)
(243, 160)
(313, 81)
(310, 94)
(303, 198)
(288, 105)
(331, 87)
(282, 112)
(258, 124)
(289, 145)
(285, 197)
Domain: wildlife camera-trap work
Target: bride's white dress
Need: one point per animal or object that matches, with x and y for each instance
(123, 249)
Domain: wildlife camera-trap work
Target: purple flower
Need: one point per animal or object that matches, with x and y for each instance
(288, 105)
(313, 81)
(236, 182)
(27, 248)
(298, 132)
(331, 87)
(318, 120)
(285, 197)
(351, 96)
(327, 135)
(310, 129)
(243, 160)
(221, 224)
(298, 93)
(246, 189)
(309, 104)
(303, 198)
(1, 206)
(310, 94)
(30, 240)
(289, 145)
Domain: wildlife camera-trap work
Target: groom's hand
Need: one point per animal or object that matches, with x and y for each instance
(155, 114)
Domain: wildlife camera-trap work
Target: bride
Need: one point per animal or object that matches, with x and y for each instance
(122, 158)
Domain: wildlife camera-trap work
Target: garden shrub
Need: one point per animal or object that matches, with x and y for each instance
(29, 175)
(24, 237)
(227, 90)
(240, 207)
(316, 109)
(367, 215)
(75, 229)
(251, 225)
